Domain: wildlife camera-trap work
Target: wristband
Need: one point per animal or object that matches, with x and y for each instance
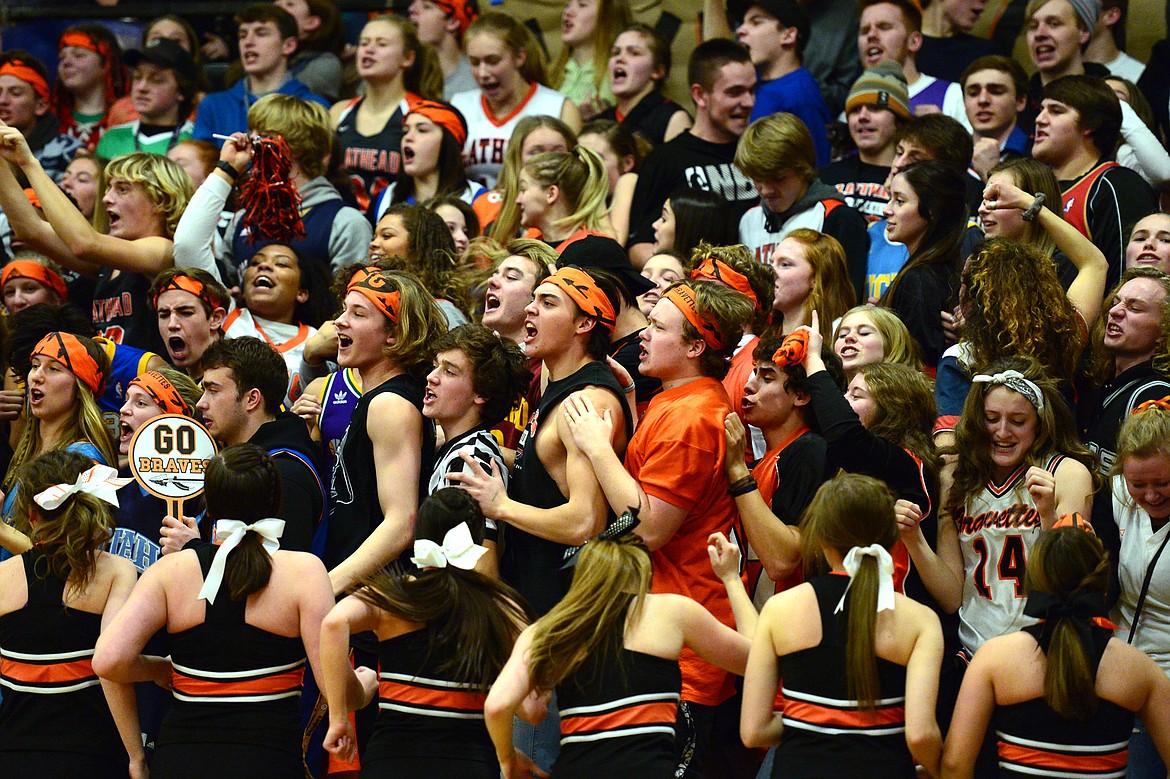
(227, 168)
(628, 390)
(1034, 209)
(743, 486)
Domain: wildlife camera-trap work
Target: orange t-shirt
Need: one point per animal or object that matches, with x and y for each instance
(676, 454)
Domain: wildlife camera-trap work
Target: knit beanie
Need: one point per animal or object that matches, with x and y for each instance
(1089, 12)
(884, 86)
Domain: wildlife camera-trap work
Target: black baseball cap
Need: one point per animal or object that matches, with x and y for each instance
(166, 54)
(604, 253)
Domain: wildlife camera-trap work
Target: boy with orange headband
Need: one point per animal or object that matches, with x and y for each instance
(553, 500)
(25, 105)
(673, 470)
(191, 307)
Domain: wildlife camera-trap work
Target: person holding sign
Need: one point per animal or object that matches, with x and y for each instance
(243, 617)
(54, 601)
(67, 376)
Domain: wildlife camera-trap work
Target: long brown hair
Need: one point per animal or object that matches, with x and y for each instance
(1066, 563)
(847, 511)
(608, 591)
(516, 38)
(243, 483)
(475, 619)
(71, 535)
(905, 412)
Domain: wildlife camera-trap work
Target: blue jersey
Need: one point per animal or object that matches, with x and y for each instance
(342, 392)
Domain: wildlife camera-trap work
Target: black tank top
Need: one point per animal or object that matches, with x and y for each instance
(233, 683)
(531, 564)
(649, 118)
(618, 721)
(354, 510)
(371, 161)
(53, 700)
(122, 313)
(825, 733)
(1032, 739)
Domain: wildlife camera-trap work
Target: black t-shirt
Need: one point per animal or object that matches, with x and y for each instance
(687, 161)
(862, 186)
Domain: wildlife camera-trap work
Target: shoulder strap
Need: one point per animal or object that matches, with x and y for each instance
(1141, 601)
(830, 204)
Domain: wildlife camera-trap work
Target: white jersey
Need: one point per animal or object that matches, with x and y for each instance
(488, 135)
(287, 340)
(998, 528)
(1139, 544)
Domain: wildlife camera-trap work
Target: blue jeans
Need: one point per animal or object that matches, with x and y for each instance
(541, 742)
(1144, 760)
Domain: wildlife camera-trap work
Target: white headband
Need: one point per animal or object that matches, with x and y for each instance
(101, 481)
(885, 601)
(1016, 381)
(457, 549)
(230, 532)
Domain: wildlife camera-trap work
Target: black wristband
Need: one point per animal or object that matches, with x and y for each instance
(1033, 210)
(227, 168)
(742, 486)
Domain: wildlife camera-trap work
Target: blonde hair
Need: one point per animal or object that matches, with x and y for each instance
(167, 185)
(580, 178)
(518, 39)
(1144, 434)
(898, 346)
(775, 145)
(425, 75)
(420, 322)
(304, 125)
(613, 16)
(507, 224)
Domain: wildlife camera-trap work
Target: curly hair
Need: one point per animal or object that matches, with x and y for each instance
(1014, 304)
(432, 254)
(499, 370)
(71, 535)
(905, 413)
(1101, 360)
(420, 322)
(1055, 432)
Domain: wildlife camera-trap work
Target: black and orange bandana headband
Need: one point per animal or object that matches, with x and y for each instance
(444, 116)
(793, 349)
(375, 287)
(68, 350)
(163, 392)
(27, 269)
(28, 74)
(583, 290)
(712, 269)
(360, 275)
(195, 287)
(460, 10)
(683, 297)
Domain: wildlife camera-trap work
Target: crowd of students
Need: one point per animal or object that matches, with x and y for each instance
(566, 429)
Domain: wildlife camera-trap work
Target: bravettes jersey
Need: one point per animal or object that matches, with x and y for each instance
(998, 528)
(488, 134)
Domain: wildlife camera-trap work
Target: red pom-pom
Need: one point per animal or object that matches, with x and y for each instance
(272, 205)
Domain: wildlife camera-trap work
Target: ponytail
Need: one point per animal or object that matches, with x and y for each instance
(1070, 688)
(860, 658)
(583, 183)
(242, 483)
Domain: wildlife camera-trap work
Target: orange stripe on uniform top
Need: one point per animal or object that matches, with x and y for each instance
(712, 269)
(583, 290)
(1081, 763)
(456, 700)
(683, 297)
(848, 718)
(265, 685)
(52, 673)
(645, 714)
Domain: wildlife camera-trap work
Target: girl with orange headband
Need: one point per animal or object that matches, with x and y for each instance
(397, 70)
(90, 78)
(432, 162)
(67, 376)
(26, 282)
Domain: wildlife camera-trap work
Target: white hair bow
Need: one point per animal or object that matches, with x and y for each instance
(885, 600)
(229, 533)
(101, 481)
(1016, 381)
(457, 549)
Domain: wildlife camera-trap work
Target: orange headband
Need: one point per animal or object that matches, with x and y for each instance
(712, 269)
(27, 73)
(192, 285)
(460, 10)
(360, 275)
(373, 287)
(1161, 403)
(683, 297)
(444, 116)
(83, 41)
(27, 269)
(793, 349)
(583, 290)
(68, 350)
(164, 393)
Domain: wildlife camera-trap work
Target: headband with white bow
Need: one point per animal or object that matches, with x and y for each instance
(885, 600)
(457, 549)
(101, 481)
(1016, 381)
(230, 532)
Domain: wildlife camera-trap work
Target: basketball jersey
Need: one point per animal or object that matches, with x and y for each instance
(1076, 199)
(338, 400)
(287, 340)
(372, 161)
(488, 134)
(998, 528)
